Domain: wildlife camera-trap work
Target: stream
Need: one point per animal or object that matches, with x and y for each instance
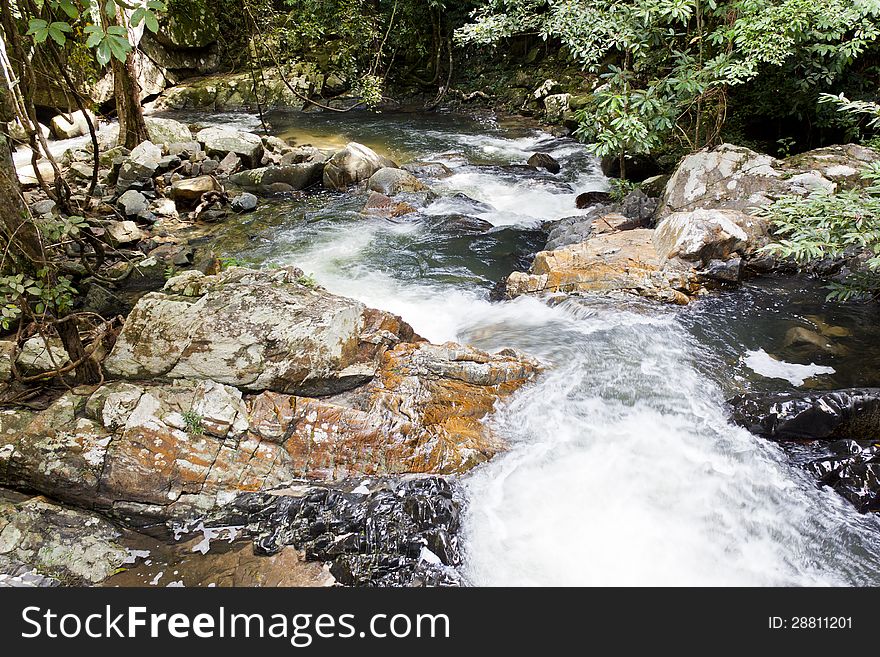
(622, 468)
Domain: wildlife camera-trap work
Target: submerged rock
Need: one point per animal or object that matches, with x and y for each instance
(257, 330)
(381, 205)
(544, 161)
(851, 413)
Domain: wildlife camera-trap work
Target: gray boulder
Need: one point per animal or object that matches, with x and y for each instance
(219, 141)
(245, 202)
(271, 179)
(390, 181)
(256, 330)
(353, 164)
(132, 203)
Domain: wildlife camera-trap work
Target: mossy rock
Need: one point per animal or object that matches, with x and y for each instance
(189, 24)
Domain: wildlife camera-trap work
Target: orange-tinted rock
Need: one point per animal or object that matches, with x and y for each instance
(148, 452)
(624, 261)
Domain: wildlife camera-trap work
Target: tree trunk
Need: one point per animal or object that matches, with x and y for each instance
(18, 237)
(89, 371)
(132, 127)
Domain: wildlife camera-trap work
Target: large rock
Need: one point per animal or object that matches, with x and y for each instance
(371, 531)
(70, 546)
(148, 452)
(422, 413)
(852, 413)
(139, 166)
(737, 178)
(391, 181)
(705, 235)
(132, 203)
(273, 179)
(353, 164)
(161, 131)
(258, 330)
(190, 190)
(615, 262)
(67, 126)
(40, 354)
(220, 141)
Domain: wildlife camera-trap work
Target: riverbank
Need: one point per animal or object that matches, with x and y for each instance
(618, 446)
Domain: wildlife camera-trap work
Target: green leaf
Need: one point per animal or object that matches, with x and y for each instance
(137, 16)
(103, 53)
(152, 23)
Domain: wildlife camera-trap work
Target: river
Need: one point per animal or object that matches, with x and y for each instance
(622, 468)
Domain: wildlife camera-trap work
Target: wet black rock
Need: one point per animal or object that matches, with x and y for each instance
(851, 413)
(586, 199)
(850, 467)
(544, 161)
(372, 531)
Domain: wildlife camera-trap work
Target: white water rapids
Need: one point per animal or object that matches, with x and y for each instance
(622, 468)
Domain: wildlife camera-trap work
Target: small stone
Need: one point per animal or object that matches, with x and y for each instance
(132, 203)
(124, 232)
(245, 202)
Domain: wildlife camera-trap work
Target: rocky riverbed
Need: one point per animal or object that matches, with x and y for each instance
(427, 351)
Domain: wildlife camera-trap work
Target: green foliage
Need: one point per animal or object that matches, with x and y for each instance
(666, 67)
(194, 423)
(42, 293)
(308, 280)
(827, 225)
(621, 188)
(91, 16)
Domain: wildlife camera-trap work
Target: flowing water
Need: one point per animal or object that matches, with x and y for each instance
(622, 468)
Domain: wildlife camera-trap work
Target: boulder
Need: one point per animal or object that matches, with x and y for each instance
(124, 232)
(268, 180)
(400, 531)
(222, 141)
(353, 164)
(244, 202)
(36, 356)
(167, 131)
(851, 468)
(555, 105)
(27, 177)
(545, 161)
(150, 452)
(852, 413)
(132, 203)
(17, 133)
(257, 330)
(139, 166)
(74, 124)
(68, 545)
(704, 235)
(736, 178)
(190, 190)
(390, 181)
(614, 262)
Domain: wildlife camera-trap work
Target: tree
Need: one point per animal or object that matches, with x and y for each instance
(112, 28)
(665, 67)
